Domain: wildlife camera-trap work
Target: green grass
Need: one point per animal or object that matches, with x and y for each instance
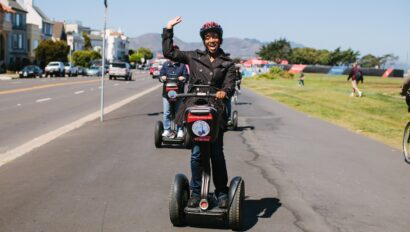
(380, 114)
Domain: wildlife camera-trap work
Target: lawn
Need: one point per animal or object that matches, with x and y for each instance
(380, 114)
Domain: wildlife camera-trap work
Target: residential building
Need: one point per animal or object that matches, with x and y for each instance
(75, 37)
(18, 56)
(6, 14)
(37, 17)
(96, 39)
(59, 31)
(39, 26)
(117, 46)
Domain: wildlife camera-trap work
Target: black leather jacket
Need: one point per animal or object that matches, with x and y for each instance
(220, 73)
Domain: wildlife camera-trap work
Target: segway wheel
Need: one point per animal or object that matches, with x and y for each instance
(406, 143)
(159, 129)
(236, 196)
(235, 120)
(178, 199)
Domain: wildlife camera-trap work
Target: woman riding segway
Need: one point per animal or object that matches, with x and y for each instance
(212, 67)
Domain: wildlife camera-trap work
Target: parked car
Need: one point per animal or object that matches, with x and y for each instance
(55, 68)
(82, 71)
(154, 70)
(31, 71)
(70, 70)
(120, 69)
(94, 71)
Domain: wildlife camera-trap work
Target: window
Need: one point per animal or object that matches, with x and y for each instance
(20, 41)
(35, 44)
(8, 17)
(14, 42)
(18, 20)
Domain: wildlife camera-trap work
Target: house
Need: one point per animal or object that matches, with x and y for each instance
(5, 29)
(18, 55)
(39, 26)
(59, 31)
(74, 32)
(117, 46)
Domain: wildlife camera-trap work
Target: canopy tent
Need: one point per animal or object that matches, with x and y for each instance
(251, 62)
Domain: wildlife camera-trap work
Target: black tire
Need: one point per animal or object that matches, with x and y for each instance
(178, 199)
(237, 194)
(187, 140)
(406, 143)
(159, 129)
(110, 77)
(235, 120)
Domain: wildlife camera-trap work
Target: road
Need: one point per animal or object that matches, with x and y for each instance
(301, 174)
(32, 107)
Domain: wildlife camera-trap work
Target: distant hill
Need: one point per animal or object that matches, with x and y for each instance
(238, 48)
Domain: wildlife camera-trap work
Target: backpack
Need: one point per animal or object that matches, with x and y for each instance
(359, 76)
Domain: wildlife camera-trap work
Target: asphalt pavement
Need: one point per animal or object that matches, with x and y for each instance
(300, 173)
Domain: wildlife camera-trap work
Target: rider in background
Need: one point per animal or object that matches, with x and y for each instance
(238, 79)
(171, 68)
(405, 90)
(210, 67)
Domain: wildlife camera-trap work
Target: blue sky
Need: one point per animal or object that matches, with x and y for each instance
(378, 27)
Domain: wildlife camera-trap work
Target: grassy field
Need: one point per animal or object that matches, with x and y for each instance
(380, 114)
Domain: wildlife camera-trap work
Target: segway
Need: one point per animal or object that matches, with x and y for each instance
(202, 126)
(171, 90)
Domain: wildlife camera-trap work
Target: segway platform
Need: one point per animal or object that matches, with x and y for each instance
(172, 140)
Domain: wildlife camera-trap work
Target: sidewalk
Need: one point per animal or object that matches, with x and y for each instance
(8, 76)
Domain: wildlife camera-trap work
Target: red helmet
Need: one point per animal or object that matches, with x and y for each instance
(211, 27)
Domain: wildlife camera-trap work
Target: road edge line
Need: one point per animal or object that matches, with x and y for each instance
(41, 140)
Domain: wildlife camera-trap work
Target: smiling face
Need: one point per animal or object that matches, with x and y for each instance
(212, 42)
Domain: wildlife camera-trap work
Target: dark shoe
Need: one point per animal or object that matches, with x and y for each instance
(223, 201)
(193, 202)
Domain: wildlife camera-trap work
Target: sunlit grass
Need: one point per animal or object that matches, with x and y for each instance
(380, 114)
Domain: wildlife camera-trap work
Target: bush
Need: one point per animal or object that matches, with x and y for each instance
(84, 58)
(275, 73)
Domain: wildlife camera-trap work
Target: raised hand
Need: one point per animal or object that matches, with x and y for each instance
(171, 23)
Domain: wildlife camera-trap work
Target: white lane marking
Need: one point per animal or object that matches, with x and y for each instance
(16, 82)
(127, 82)
(116, 84)
(43, 100)
(19, 104)
(92, 89)
(23, 149)
(79, 92)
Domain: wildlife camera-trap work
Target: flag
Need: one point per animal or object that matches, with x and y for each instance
(105, 3)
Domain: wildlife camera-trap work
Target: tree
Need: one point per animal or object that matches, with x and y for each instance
(339, 57)
(84, 58)
(304, 56)
(87, 40)
(277, 50)
(49, 50)
(136, 58)
(146, 53)
(388, 59)
(369, 61)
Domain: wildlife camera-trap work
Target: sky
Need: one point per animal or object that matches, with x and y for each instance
(377, 27)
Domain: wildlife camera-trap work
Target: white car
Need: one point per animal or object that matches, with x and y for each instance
(120, 69)
(55, 68)
(70, 70)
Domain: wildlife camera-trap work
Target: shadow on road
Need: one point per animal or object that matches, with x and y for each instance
(242, 128)
(243, 103)
(255, 209)
(252, 211)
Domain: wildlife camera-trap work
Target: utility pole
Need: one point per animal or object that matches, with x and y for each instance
(103, 63)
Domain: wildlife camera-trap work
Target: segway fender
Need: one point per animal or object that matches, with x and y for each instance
(233, 186)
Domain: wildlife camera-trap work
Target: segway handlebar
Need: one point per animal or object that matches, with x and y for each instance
(199, 94)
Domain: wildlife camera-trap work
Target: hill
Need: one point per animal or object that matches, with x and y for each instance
(238, 48)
